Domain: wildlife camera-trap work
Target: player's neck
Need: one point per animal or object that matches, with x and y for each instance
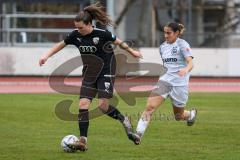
(173, 41)
(89, 31)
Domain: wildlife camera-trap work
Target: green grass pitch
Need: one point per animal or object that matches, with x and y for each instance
(30, 130)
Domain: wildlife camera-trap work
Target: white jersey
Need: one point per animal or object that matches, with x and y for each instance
(173, 56)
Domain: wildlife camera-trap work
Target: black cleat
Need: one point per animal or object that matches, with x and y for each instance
(135, 138)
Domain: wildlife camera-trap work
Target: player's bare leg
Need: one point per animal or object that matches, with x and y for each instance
(182, 114)
(154, 101)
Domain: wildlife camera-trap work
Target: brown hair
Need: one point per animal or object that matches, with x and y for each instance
(94, 12)
(176, 27)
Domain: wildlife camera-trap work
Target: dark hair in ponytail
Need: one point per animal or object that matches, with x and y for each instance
(94, 12)
(176, 27)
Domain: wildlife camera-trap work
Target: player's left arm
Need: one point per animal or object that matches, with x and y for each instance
(126, 47)
(188, 68)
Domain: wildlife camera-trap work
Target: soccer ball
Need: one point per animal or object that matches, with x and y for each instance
(69, 139)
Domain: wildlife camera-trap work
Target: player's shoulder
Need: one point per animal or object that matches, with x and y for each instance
(182, 43)
(104, 33)
(99, 29)
(163, 44)
(74, 32)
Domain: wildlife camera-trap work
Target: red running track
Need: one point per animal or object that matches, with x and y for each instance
(10, 85)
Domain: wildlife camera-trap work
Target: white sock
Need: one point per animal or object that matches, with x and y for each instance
(142, 126)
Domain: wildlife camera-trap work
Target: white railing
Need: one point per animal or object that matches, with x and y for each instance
(38, 16)
(7, 30)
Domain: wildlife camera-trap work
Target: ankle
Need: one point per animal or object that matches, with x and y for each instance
(83, 138)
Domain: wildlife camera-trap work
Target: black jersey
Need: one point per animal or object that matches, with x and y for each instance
(96, 51)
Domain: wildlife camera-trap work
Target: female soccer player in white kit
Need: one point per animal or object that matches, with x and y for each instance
(178, 59)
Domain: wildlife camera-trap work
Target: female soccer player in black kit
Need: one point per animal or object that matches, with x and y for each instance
(93, 46)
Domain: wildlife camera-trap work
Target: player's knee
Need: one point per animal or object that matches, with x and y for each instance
(84, 104)
(103, 106)
(150, 108)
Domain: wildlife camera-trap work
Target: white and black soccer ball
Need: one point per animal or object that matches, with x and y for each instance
(69, 139)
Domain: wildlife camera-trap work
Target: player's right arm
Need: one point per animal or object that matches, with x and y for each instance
(125, 46)
(56, 48)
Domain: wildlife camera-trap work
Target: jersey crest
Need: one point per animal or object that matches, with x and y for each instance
(107, 86)
(174, 50)
(96, 40)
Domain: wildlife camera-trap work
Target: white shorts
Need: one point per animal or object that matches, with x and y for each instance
(177, 94)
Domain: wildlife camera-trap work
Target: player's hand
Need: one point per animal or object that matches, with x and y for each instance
(137, 54)
(183, 72)
(42, 61)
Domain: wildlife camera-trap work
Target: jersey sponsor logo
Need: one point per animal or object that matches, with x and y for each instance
(96, 40)
(170, 60)
(107, 86)
(89, 49)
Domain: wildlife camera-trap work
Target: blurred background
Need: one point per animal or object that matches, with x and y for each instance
(209, 23)
(30, 27)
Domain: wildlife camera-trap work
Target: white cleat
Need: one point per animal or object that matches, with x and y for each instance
(192, 118)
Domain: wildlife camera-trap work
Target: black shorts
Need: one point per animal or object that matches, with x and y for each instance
(91, 86)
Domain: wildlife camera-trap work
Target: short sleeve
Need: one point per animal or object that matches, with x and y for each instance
(160, 50)
(110, 37)
(69, 38)
(186, 50)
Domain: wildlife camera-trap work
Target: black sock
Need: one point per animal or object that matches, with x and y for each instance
(114, 113)
(83, 122)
